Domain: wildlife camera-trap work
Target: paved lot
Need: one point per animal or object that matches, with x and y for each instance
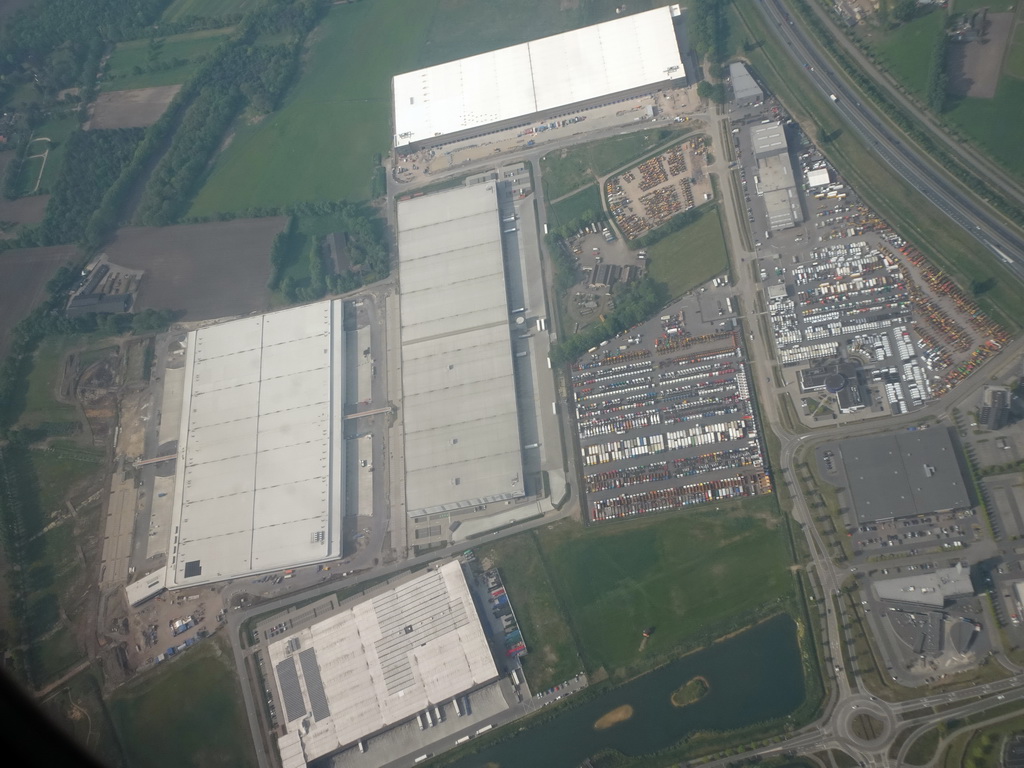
(137, 108)
(207, 270)
(25, 272)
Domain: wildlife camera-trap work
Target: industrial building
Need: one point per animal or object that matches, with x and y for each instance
(347, 674)
(745, 90)
(258, 480)
(841, 379)
(903, 474)
(460, 416)
(929, 589)
(543, 78)
(775, 181)
(995, 407)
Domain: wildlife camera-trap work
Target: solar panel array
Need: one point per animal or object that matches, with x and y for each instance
(291, 692)
(410, 616)
(314, 684)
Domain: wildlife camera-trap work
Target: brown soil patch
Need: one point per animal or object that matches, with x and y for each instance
(616, 716)
(137, 108)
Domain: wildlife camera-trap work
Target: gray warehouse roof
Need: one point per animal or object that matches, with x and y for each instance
(777, 186)
(903, 474)
(745, 89)
(930, 589)
(768, 139)
(258, 483)
(460, 418)
(380, 661)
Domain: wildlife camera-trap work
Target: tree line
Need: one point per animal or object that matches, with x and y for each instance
(709, 30)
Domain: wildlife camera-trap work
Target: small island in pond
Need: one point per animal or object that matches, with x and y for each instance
(616, 716)
(692, 692)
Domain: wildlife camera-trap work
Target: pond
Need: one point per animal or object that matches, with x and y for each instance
(756, 675)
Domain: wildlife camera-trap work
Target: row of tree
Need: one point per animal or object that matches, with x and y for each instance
(938, 76)
(709, 30)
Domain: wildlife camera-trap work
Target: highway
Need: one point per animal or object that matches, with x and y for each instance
(915, 168)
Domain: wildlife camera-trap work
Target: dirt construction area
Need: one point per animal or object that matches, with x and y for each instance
(138, 108)
(24, 273)
(205, 270)
(974, 65)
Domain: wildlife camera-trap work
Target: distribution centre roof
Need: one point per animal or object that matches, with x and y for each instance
(381, 661)
(930, 589)
(615, 56)
(460, 416)
(903, 474)
(258, 483)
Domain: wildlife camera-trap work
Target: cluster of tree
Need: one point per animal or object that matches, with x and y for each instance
(903, 11)
(714, 92)
(50, 41)
(298, 17)
(938, 77)
(561, 262)
(636, 303)
(902, 119)
(709, 30)
(93, 162)
(176, 177)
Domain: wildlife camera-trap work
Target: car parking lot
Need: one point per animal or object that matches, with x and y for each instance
(664, 414)
(936, 534)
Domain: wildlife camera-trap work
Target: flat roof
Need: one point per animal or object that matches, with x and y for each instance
(619, 55)
(380, 661)
(258, 482)
(819, 177)
(744, 87)
(903, 474)
(768, 139)
(930, 589)
(777, 187)
(462, 445)
(148, 586)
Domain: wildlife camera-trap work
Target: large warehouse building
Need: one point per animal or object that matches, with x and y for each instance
(542, 78)
(258, 483)
(372, 665)
(462, 443)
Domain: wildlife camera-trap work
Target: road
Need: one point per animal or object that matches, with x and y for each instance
(914, 167)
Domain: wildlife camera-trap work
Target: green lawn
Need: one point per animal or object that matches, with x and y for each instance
(994, 123)
(135, 53)
(691, 256)
(207, 9)
(567, 170)
(586, 202)
(693, 575)
(52, 657)
(321, 143)
(1013, 65)
(187, 712)
(907, 50)
(964, 6)
(553, 656)
(65, 464)
(40, 403)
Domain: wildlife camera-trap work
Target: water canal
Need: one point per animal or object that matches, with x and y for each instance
(754, 676)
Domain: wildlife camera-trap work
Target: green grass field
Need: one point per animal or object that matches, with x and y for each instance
(553, 656)
(567, 170)
(55, 655)
(207, 9)
(80, 710)
(991, 122)
(964, 6)
(693, 575)
(321, 143)
(691, 256)
(57, 130)
(1013, 65)
(135, 53)
(585, 202)
(907, 50)
(188, 712)
(40, 403)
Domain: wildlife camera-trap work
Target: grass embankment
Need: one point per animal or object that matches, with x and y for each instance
(188, 712)
(909, 212)
(695, 690)
(320, 145)
(141, 64)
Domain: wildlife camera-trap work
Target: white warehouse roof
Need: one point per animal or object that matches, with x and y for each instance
(592, 62)
(258, 483)
(380, 662)
(458, 386)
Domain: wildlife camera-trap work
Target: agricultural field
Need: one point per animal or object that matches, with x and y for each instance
(187, 712)
(207, 9)
(564, 171)
(553, 655)
(692, 256)
(320, 145)
(128, 64)
(29, 269)
(906, 51)
(694, 575)
(1014, 63)
(994, 124)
